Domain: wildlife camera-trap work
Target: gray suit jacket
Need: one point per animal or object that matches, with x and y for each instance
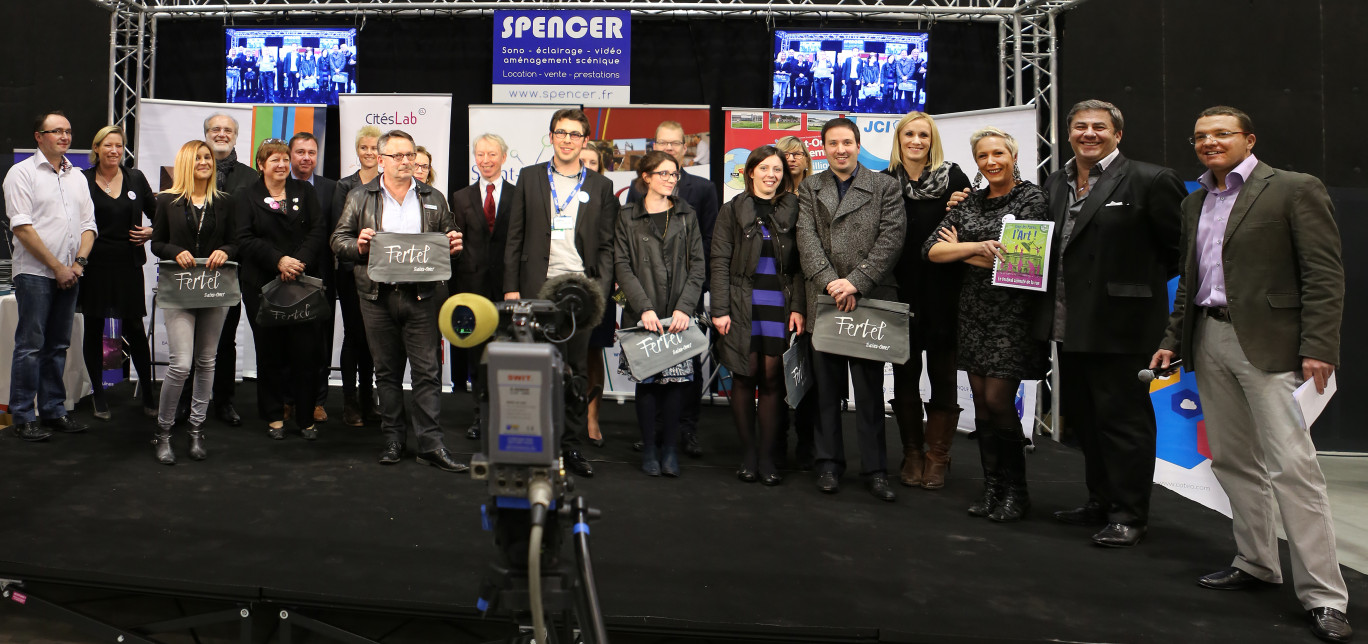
(858, 238)
(1284, 277)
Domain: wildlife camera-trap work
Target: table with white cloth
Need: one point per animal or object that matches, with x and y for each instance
(75, 378)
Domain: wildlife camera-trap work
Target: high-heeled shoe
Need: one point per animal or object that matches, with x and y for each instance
(746, 475)
(772, 479)
(596, 442)
(276, 431)
(100, 409)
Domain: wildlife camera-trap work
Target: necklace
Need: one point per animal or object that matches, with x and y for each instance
(106, 186)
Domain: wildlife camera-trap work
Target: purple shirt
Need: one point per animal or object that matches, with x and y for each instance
(1211, 229)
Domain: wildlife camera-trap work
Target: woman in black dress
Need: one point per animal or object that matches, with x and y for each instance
(995, 344)
(112, 286)
(932, 290)
(280, 235)
(757, 301)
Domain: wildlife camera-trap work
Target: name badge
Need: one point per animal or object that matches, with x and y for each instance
(559, 235)
(429, 206)
(562, 223)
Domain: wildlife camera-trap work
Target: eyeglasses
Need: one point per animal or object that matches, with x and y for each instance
(58, 132)
(265, 141)
(563, 135)
(423, 166)
(672, 144)
(666, 175)
(222, 130)
(1219, 136)
(402, 156)
(793, 155)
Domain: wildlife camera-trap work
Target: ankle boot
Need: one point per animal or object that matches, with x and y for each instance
(910, 429)
(163, 442)
(992, 476)
(197, 444)
(669, 461)
(650, 463)
(941, 426)
(351, 413)
(1016, 502)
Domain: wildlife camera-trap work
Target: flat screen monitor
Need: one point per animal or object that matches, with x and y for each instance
(291, 65)
(864, 72)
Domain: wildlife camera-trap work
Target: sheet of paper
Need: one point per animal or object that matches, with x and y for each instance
(1310, 403)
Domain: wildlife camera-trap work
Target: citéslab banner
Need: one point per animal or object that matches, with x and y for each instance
(563, 57)
(425, 117)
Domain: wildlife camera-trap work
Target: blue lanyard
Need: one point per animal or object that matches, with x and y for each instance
(555, 200)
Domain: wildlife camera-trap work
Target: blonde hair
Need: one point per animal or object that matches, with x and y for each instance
(432, 172)
(100, 137)
(183, 172)
(935, 156)
(368, 132)
(988, 132)
(794, 144)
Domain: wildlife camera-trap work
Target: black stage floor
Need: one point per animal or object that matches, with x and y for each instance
(322, 524)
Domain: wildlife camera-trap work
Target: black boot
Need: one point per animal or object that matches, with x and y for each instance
(992, 474)
(197, 444)
(650, 463)
(1015, 501)
(669, 461)
(163, 442)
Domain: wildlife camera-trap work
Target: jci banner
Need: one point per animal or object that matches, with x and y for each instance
(563, 56)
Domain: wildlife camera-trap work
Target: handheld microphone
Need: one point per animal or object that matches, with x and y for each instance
(1148, 375)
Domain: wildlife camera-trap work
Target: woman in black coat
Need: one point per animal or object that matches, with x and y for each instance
(281, 235)
(757, 301)
(194, 221)
(112, 284)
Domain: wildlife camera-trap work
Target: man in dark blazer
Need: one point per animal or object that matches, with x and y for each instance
(1115, 249)
(572, 235)
(1257, 313)
(481, 211)
(303, 164)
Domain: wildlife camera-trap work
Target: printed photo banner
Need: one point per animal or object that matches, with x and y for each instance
(558, 56)
(400, 258)
(425, 117)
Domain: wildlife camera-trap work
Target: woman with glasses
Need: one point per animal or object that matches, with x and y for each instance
(280, 235)
(932, 290)
(796, 159)
(194, 222)
(112, 284)
(422, 166)
(658, 252)
(994, 336)
(757, 301)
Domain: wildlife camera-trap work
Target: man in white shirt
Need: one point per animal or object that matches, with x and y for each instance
(53, 219)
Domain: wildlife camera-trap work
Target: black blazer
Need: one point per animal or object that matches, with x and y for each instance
(174, 230)
(528, 251)
(265, 235)
(1117, 264)
(480, 267)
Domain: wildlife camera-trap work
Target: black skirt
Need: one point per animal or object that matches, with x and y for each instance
(113, 291)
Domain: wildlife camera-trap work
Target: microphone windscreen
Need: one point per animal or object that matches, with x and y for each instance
(576, 295)
(1145, 375)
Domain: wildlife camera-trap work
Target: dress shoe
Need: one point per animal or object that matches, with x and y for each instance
(441, 459)
(197, 451)
(351, 414)
(1117, 535)
(1232, 579)
(31, 431)
(772, 479)
(278, 433)
(392, 453)
(473, 433)
(1091, 513)
(227, 414)
(64, 424)
(878, 486)
(577, 464)
(691, 446)
(747, 475)
(309, 433)
(827, 483)
(320, 414)
(1330, 625)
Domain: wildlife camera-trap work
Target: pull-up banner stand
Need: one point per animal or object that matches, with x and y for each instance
(563, 57)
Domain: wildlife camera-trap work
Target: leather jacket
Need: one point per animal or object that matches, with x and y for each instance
(363, 209)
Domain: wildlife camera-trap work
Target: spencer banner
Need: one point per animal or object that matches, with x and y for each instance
(563, 57)
(425, 117)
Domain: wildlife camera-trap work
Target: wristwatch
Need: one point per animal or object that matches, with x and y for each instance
(82, 261)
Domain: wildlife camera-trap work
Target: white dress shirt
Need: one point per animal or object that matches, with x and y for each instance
(401, 218)
(56, 202)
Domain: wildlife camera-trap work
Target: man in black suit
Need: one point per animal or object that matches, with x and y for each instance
(481, 211)
(561, 222)
(303, 164)
(849, 81)
(1115, 249)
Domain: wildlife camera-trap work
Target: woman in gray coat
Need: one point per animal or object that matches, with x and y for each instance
(757, 300)
(658, 254)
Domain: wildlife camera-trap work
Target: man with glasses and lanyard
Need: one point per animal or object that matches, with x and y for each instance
(562, 222)
(53, 219)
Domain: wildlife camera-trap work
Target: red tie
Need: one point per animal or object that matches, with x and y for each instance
(489, 206)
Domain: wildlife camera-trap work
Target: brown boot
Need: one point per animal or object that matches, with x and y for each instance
(909, 417)
(940, 433)
(351, 415)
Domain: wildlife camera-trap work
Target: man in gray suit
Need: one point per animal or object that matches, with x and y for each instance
(1257, 313)
(850, 233)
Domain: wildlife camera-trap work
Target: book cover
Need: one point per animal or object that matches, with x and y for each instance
(1026, 245)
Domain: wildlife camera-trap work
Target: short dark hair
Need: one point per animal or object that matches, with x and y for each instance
(301, 136)
(1118, 122)
(840, 121)
(571, 113)
(652, 160)
(42, 118)
(1246, 123)
(394, 134)
(760, 154)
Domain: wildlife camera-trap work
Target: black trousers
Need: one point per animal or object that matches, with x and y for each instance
(402, 330)
(867, 378)
(287, 363)
(357, 366)
(575, 353)
(1110, 411)
(465, 364)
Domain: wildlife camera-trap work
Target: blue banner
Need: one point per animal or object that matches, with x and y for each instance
(563, 57)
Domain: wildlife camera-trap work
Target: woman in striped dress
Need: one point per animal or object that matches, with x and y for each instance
(756, 303)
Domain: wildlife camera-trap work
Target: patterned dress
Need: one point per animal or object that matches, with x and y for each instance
(995, 321)
(769, 311)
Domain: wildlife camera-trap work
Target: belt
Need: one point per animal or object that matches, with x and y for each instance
(1221, 313)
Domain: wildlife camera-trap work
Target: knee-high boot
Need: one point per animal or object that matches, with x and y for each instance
(992, 472)
(941, 423)
(1012, 456)
(910, 430)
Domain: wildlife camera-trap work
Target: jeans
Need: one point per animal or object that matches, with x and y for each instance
(192, 336)
(403, 329)
(41, 339)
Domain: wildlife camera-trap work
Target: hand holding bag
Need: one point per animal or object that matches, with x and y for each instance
(876, 330)
(649, 353)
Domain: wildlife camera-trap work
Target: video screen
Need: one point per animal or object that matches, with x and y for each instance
(291, 65)
(843, 71)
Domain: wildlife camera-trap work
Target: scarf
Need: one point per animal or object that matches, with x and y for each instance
(931, 185)
(223, 166)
